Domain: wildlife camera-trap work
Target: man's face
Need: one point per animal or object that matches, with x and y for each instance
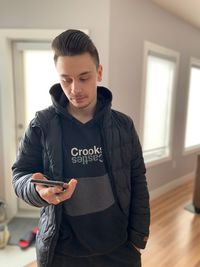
(78, 78)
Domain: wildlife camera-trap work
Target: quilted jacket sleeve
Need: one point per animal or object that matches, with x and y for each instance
(29, 161)
(140, 210)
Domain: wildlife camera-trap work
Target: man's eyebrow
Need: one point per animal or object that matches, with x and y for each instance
(64, 75)
(81, 74)
(84, 73)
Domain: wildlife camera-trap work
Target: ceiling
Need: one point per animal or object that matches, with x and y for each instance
(188, 10)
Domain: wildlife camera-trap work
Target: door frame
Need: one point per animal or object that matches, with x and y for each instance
(7, 104)
(21, 92)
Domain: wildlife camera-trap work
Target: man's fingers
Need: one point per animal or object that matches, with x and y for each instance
(72, 182)
(64, 195)
(49, 193)
(38, 175)
(71, 187)
(55, 194)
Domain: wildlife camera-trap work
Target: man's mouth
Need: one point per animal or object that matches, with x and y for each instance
(78, 99)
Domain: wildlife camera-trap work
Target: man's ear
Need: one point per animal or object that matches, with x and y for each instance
(99, 73)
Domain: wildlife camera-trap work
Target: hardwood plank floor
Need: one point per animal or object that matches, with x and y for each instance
(175, 232)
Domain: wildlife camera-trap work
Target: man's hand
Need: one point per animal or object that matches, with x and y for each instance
(56, 194)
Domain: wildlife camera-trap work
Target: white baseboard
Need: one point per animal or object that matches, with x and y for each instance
(171, 185)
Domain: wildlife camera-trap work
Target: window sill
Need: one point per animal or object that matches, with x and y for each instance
(192, 150)
(155, 162)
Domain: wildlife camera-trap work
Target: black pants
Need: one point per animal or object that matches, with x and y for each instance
(125, 256)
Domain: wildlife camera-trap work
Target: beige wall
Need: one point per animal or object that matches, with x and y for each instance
(132, 23)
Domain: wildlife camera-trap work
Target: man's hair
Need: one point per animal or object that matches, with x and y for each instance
(72, 43)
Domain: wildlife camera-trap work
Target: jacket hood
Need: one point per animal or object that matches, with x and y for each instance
(60, 101)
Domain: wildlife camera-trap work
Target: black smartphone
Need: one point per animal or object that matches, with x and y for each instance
(49, 183)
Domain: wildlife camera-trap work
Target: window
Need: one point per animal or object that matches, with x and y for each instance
(192, 135)
(160, 74)
(35, 77)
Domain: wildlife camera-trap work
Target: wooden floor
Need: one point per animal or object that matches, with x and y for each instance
(175, 232)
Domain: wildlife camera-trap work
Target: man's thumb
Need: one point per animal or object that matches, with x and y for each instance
(38, 175)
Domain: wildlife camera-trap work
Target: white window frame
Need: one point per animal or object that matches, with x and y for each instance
(194, 62)
(152, 48)
(7, 102)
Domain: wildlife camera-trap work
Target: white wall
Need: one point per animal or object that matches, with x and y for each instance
(133, 22)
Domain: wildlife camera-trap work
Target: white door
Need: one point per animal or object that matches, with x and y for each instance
(34, 74)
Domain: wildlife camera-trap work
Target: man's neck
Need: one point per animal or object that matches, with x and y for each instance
(83, 114)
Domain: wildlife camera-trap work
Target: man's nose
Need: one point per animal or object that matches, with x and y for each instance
(75, 87)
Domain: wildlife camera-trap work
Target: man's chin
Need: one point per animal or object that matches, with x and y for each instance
(80, 105)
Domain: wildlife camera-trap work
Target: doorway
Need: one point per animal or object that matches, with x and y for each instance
(34, 74)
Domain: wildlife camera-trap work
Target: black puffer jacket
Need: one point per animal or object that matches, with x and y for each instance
(41, 151)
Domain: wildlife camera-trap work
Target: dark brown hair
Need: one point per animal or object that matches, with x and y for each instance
(74, 42)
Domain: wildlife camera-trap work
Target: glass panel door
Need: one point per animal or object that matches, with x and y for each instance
(34, 74)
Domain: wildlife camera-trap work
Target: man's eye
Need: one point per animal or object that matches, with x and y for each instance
(84, 79)
(66, 80)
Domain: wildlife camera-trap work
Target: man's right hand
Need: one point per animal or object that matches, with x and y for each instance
(56, 194)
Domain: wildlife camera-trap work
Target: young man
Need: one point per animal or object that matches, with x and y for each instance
(102, 217)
